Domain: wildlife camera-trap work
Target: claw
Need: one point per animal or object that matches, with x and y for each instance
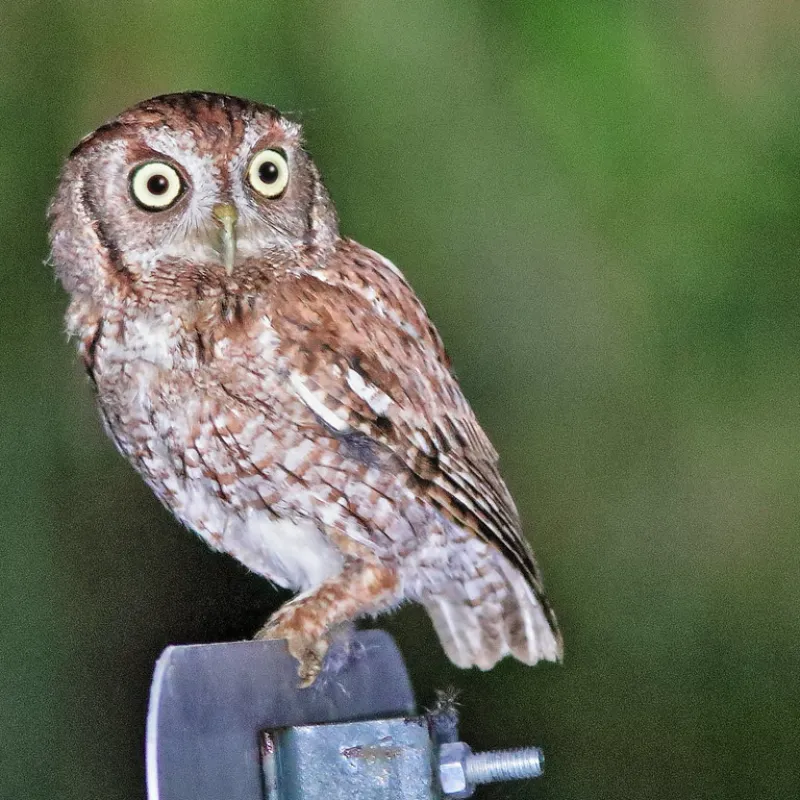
(309, 660)
(313, 620)
(307, 651)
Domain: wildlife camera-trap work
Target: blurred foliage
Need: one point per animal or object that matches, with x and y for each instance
(599, 205)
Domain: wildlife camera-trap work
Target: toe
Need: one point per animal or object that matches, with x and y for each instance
(310, 661)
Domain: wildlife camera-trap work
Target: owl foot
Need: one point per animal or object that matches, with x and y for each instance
(311, 622)
(308, 648)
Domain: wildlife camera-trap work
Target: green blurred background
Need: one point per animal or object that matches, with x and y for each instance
(599, 205)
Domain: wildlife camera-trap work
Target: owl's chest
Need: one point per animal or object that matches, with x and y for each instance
(209, 462)
(161, 383)
(138, 366)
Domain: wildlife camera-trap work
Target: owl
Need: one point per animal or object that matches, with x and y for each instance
(280, 388)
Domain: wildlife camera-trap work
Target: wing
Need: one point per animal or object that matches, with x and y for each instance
(366, 359)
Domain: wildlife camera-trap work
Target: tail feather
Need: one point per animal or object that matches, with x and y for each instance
(529, 631)
(508, 620)
(465, 639)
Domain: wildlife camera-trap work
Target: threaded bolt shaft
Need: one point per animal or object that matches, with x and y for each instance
(504, 765)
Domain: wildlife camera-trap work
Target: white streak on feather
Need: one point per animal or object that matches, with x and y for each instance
(317, 406)
(377, 400)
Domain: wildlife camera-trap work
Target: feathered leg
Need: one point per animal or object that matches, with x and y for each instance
(306, 622)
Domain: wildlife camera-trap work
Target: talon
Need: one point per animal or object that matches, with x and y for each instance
(308, 671)
(310, 657)
(312, 621)
(307, 651)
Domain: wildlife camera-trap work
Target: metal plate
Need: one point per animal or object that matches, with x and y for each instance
(208, 704)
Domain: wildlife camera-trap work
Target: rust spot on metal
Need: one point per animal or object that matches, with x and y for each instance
(372, 752)
(267, 746)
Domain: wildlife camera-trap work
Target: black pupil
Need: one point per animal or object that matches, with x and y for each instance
(157, 184)
(268, 172)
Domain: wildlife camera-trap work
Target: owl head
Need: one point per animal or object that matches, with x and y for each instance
(187, 184)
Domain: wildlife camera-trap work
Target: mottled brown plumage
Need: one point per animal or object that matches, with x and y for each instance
(281, 388)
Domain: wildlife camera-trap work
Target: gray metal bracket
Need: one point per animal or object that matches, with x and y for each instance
(228, 722)
(209, 704)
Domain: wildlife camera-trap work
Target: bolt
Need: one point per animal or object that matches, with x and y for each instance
(461, 770)
(504, 765)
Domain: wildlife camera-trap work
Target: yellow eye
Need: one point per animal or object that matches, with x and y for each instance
(155, 186)
(268, 173)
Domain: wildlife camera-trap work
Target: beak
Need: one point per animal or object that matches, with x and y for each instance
(225, 214)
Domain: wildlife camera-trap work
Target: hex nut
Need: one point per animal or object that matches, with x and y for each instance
(452, 769)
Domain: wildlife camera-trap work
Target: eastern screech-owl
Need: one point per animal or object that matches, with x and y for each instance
(281, 388)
